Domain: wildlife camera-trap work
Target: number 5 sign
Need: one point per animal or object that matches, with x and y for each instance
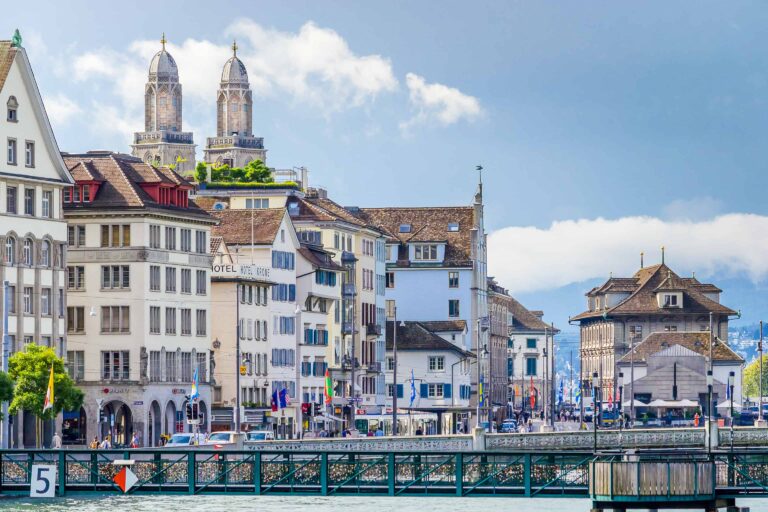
(42, 481)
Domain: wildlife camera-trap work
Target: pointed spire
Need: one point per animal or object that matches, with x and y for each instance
(662, 254)
(163, 40)
(642, 254)
(234, 47)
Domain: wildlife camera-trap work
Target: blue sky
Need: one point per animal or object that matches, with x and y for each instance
(577, 111)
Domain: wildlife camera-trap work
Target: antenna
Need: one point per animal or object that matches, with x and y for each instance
(641, 259)
(662, 254)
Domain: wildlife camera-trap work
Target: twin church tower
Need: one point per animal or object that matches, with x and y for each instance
(163, 141)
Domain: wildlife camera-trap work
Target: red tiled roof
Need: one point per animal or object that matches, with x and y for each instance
(695, 341)
(235, 225)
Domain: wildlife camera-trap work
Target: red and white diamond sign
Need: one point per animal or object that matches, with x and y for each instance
(125, 479)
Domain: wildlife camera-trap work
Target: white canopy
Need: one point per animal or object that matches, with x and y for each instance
(673, 404)
(635, 402)
(727, 405)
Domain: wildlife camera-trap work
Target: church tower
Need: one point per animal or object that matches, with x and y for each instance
(163, 142)
(234, 143)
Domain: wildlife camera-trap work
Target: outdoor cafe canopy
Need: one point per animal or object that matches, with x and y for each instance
(673, 404)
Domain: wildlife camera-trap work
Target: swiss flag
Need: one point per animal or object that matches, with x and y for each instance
(125, 479)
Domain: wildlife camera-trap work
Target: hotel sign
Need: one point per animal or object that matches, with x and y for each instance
(252, 272)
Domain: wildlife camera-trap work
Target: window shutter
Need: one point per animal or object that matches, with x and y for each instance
(399, 391)
(446, 391)
(424, 390)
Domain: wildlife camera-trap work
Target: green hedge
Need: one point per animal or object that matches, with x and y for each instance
(237, 184)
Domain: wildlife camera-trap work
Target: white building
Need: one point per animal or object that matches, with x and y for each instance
(32, 227)
(138, 296)
(438, 370)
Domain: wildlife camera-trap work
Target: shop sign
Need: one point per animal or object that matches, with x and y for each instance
(114, 391)
(138, 402)
(179, 391)
(252, 272)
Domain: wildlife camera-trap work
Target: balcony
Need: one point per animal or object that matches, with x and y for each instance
(348, 328)
(372, 330)
(162, 136)
(374, 367)
(240, 141)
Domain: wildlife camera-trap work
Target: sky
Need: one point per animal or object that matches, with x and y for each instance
(605, 129)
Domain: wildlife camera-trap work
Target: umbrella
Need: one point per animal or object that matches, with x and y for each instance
(635, 402)
(658, 403)
(688, 403)
(727, 405)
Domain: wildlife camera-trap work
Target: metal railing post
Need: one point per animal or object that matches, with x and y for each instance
(391, 473)
(324, 474)
(257, 473)
(191, 472)
(459, 471)
(62, 473)
(527, 474)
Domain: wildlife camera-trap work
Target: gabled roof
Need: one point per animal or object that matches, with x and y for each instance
(7, 54)
(215, 243)
(235, 225)
(319, 258)
(445, 325)
(429, 224)
(522, 318)
(415, 336)
(642, 299)
(697, 342)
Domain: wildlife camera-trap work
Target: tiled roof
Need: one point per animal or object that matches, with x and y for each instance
(445, 325)
(215, 243)
(427, 225)
(319, 258)
(235, 225)
(416, 336)
(522, 318)
(121, 177)
(642, 298)
(695, 341)
(7, 54)
(206, 202)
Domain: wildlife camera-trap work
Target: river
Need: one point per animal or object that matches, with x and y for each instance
(313, 504)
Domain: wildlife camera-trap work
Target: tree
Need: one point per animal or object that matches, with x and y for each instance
(752, 377)
(6, 388)
(257, 171)
(201, 172)
(31, 370)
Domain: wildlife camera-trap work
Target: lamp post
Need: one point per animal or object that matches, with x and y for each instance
(760, 401)
(595, 384)
(394, 370)
(710, 382)
(238, 361)
(5, 434)
(632, 380)
(731, 379)
(621, 401)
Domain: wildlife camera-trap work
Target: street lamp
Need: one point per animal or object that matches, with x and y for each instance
(710, 382)
(731, 379)
(621, 401)
(595, 384)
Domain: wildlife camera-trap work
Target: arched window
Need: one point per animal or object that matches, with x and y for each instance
(45, 254)
(26, 256)
(10, 251)
(13, 107)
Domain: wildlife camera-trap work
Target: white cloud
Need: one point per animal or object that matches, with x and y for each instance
(529, 259)
(60, 109)
(438, 102)
(697, 208)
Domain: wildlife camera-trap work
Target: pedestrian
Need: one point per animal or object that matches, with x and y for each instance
(106, 444)
(94, 444)
(135, 440)
(696, 420)
(379, 432)
(419, 431)
(56, 441)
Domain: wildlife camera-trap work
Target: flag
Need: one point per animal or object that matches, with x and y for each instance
(48, 404)
(610, 400)
(284, 398)
(532, 395)
(727, 390)
(578, 393)
(560, 393)
(274, 402)
(194, 395)
(481, 391)
(328, 387)
(413, 389)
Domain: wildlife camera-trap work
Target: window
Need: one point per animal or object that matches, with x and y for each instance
(436, 363)
(170, 279)
(47, 204)
(10, 251)
(435, 391)
(76, 364)
(12, 105)
(154, 237)
(201, 245)
(405, 228)
(155, 374)
(29, 201)
(256, 203)
(45, 301)
(29, 153)
(530, 366)
(670, 300)
(170, 366)
(170, 238)
(45, 253)
(86, 194)
(390, 364)
(154, 278)
(170, 320)
(453, 279)
(186, 240)
(202, 323)
(115, 365)
(635, 330)
(76, 236)
(116, 235)
(284, 260)
(201, 282)
(11, 151)
(115, 319)
(75, 319)
(390, 279)
(186, 280)
(530, 343)
(453, 308)
(154, 319)
(61, 303)
(27, 301)
(186, 322)
(425, 252)
(670, 328)
(11, 200)
(115, 276)
(26, 252)
(453, 227)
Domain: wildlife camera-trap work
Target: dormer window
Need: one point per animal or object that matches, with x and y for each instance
(670, 300)
(13, 107)
(405, 228)
(425, 252)
(453, 227)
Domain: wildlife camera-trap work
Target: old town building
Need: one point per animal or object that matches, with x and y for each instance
(138, 296)
(163, 142)
(624, 311)
(32, 227)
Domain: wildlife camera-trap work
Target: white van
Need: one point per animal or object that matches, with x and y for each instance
(260, 435)
(185, 439)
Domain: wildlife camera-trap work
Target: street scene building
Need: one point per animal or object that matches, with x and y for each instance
(138, 296)
(33, 232)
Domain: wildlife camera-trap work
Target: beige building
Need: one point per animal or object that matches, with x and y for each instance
(163, 142)
(138, 296)
(32, 227)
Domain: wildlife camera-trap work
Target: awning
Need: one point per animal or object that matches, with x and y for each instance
(329, 417)
(673, 404)
(636, 403)
(727, 405)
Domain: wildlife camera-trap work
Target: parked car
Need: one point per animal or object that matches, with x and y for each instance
(588, 412)
(508, 427)
(744, 419)
(223, 438)
(185, 439)
(260, 435)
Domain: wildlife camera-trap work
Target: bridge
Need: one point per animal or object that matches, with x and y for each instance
(610, 479)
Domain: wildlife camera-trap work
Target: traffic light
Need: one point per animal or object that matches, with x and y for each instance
(316, 409)
(190, 411)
